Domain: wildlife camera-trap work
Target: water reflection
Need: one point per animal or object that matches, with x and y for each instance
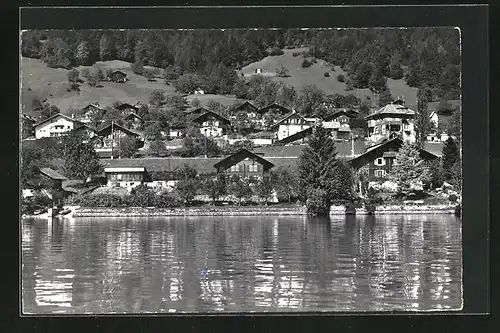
(242, 264)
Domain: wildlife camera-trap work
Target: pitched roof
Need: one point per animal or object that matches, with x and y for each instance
(93, 105)
(293, 113)
(246, 104)
(391, 109)
(239, 156)
(281, 109)
(119, 72)
(80, 126)
(289, 151)
(133, 114)
(125, 106)
(107, 130)
(204, 116)
(52, 174)
(54, 116)
(172, 164)
(28, 117)
(374, 151)
(297, 136)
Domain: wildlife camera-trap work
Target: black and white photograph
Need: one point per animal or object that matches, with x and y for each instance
(258, 170)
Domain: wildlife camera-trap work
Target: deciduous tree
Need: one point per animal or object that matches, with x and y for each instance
(81, 160)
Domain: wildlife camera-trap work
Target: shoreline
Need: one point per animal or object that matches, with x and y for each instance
(246, 211)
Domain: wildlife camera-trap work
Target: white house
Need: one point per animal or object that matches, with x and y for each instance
(212, 124)
(291, 124)
(392, 118)
(54, 126)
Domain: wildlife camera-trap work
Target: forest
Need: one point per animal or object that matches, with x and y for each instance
(426, 58)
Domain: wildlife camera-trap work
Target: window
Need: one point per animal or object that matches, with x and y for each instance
(253, 168)
(380, 161)
(235, 168)
(119, 176)
(379, 173)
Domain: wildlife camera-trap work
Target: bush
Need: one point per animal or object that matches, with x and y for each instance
(327, 74)
(275, 51)
(296, 54)
(317, 202)
(453, 198)
(306, 63)
(340, 78)
(168, 200)
(137, 68)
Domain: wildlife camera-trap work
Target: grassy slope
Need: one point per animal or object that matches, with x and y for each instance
(44, 81)
(315, 75)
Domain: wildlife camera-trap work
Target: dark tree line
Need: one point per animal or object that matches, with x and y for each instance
(424, 57)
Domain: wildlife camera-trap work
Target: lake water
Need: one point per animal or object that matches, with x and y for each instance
(241, 264)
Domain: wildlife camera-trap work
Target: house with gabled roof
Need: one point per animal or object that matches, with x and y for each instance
(247, 107)
(244, 163)
(57, 125)
(290, 125)
(134, 121)
(395, 118)
(118, 76)
(441, 119)
(212, 124)
(378, 160)
(27, 126)
(55, 179)
(87, 132)
(89, 112)
(107, 141)
(127, 107)
(274, 107)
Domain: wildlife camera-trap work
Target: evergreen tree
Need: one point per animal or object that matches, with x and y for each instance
(377, 81)
(82, 55)
(423, 123)
(319, 171)
(409, 171)
(105, 48)
(363, 74)
(450, 155)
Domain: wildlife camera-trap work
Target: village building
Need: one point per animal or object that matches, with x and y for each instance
(212, 124)
(89, 112)
(86, 132)
(339, 123)
(290, 125)
(107, 141)
(134, 121)
(27, 126)
(274, 107)
(54, 126)
(392, 118)
(441, 120)
(125, 176)
(55, 179)
(244, 163)
(127, 107)
(176, 131)
(118, 76)
(377, 161)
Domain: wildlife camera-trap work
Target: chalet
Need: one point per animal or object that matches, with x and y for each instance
(54, 126)
(134, 121)
(274, 108)
(118, 76)
(244, 163)
(392, 118)
(107, 141)
(339, 123)
(291, 124)
(176, 131)
(212, 124)
(125, 176)
(89, 112)
(378, 159)
(27, 126)
(248, 108)
(87, 132)
(127, 107)
(56, 180)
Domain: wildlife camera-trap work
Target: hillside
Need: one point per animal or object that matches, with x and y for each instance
(315, 75)
(40, 81)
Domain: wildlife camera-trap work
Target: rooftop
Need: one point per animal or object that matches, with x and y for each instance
(52, 174)
(392, 109)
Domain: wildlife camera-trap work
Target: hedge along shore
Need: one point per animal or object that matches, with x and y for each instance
(251, 211)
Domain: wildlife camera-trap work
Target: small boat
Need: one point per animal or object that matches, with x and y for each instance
(65, 211)
(40, 211)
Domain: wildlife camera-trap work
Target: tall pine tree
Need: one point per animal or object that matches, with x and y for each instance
(322, 177)
(450, 155)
